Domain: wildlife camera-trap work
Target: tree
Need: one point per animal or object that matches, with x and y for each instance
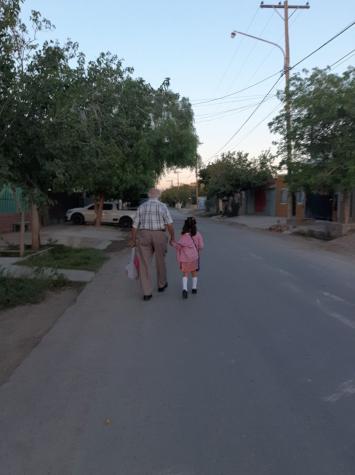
(235, 172)
(132, 131)
(67, 124)
(322, 131)
(17, 46)
(183, 194)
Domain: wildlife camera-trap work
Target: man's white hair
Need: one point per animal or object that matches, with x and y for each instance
(154, 193)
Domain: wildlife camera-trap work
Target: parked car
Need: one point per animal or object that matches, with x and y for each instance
(111, 214)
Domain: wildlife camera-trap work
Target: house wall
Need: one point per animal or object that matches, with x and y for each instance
(250, 202)
(8, 209)
(8, 220)
(281, 208)
(271, 202)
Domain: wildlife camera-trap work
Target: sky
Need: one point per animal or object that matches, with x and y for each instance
(189, 42)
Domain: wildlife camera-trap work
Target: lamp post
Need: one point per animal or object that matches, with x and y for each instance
(286, 69)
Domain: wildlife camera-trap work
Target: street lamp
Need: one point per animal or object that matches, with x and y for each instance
(235, 33)
(286, 70)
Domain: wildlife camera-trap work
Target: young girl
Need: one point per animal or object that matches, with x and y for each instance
(187, 249)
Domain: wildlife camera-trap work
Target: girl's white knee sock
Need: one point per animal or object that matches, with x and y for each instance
(194, 282)
(184, 283)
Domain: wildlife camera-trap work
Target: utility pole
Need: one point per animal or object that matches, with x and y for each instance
(286, 17)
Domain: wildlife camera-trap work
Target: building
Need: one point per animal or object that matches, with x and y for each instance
(10, 204)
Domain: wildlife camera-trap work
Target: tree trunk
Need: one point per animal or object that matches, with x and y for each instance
(19, 209)
(99, 204)
(36, 241)
(346, 207)
(289, 205)
(22, 234)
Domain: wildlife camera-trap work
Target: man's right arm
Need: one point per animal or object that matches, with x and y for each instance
(170, 228)
(135, 227)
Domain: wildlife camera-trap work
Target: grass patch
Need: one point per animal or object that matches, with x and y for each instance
(63, 257)
(20, 291)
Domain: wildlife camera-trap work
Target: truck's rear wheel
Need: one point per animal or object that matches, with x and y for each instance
(125, 222)
(77, 218)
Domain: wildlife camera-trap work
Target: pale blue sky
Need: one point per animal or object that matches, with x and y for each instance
(189, 41)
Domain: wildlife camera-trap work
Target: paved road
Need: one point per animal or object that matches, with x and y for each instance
(254, 376)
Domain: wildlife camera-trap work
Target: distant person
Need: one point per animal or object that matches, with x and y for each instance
(188, 249)
(149, 235)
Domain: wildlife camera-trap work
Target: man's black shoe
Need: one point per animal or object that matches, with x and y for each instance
(194, 291)
(161, 289)
(184, 294)
(147, 297)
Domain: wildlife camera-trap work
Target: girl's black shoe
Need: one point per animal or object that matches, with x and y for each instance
(184, 294)
(194, 291)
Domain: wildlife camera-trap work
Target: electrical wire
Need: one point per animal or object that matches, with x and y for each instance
(236, 51)
(207, 101)
(343, 62)
(344, 57)
(257, 125)
(324, 44)
(250, 115)
(272, 50)
(275, 84)
(228, 113)
(247, 57)
(252, 102)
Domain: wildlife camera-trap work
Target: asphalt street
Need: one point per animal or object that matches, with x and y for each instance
(253, 376)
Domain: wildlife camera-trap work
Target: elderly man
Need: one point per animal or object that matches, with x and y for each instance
(149, 235)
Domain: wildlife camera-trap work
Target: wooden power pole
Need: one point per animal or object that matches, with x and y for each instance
(286, 17)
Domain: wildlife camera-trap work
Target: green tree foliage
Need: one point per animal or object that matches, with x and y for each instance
(67, 124)
(322, 130)
(184, 194)
(235, 171)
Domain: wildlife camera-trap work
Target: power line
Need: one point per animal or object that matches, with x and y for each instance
(343, 62)
(228, 113)
(266, 57)
(236, 92)
(275, 84)
(323, 45)
(212, 114)
(248, 55)
(257, 125)
(250, 115)
(344, 57)
(236, 51)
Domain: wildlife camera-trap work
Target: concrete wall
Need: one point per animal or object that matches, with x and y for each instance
(8, 220)
(281, 208)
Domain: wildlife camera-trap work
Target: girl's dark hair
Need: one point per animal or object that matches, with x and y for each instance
(190, 226)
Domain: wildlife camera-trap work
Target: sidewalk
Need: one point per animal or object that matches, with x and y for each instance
(73, 236)
(254, 222)
(8, 264)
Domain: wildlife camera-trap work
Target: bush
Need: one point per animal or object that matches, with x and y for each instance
(62, 257)
(20, 291)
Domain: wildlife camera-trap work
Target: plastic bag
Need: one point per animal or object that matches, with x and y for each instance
(132, 266)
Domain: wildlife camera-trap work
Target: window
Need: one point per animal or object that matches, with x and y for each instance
(284, 196)
(107, 207)
(91, 208)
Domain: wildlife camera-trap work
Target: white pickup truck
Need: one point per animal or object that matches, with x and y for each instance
(111, 214)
